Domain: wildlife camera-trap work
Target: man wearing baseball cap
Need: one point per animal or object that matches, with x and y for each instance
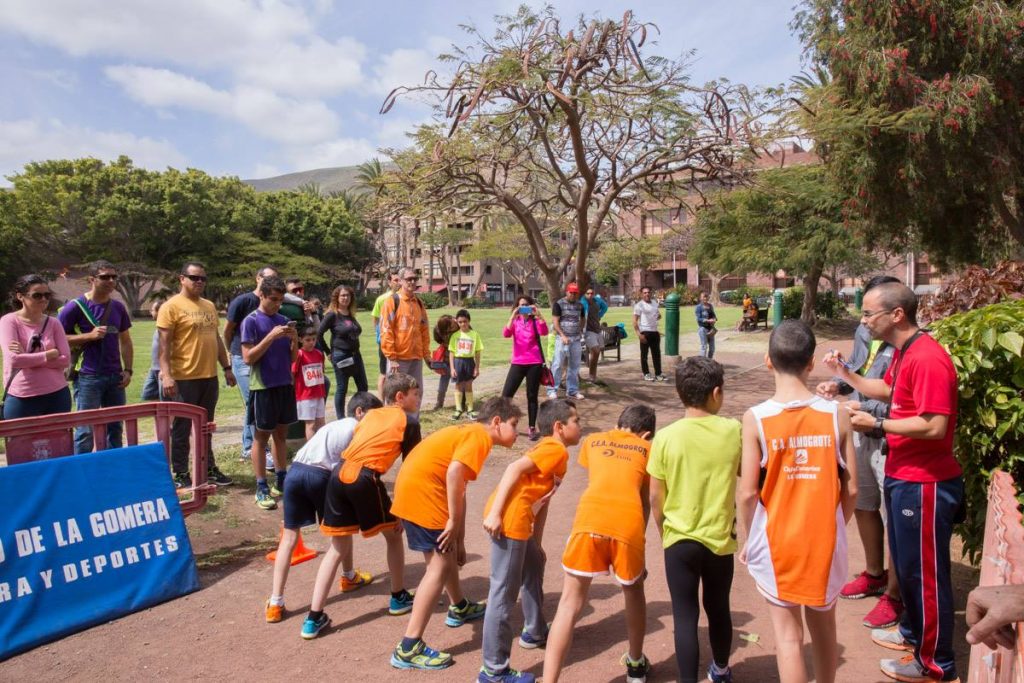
(567, 317)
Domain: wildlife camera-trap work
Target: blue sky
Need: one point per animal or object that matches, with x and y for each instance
(259, 88)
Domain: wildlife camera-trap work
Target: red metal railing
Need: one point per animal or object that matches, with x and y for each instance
(1002, 563)
(51, 436)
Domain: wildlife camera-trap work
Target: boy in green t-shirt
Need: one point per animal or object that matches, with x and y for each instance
(693, 467)
(464, 348)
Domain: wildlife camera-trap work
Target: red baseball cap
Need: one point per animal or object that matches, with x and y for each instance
(572, 288)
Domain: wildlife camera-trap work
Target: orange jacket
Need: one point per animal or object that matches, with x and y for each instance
(404, 334)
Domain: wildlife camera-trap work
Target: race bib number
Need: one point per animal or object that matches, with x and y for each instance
(313, 374)
(465, 347)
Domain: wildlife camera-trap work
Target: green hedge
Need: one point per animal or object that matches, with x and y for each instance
(827, 305)
(986, 346)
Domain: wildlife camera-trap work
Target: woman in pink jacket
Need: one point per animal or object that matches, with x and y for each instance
(35, 352)
(526, 326)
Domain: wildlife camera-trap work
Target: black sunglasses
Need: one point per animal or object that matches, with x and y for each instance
(411, 279)
(196, 278)
(108, 277)
(41, 295)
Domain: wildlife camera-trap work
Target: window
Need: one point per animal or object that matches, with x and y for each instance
(467, 270)
(923, 273)
(658, 221)
(487, 270)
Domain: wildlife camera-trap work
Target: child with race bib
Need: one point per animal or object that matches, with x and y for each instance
(465, 347)
(310, 391)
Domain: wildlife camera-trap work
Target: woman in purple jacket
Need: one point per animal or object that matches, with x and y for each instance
(526, 326)
(36, 353)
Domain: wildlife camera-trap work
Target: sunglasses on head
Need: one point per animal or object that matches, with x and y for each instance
(107, 277)
(196, 278)
(41, 295)
(35, 343)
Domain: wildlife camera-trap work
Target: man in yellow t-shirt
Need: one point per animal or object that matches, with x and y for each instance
(190, 348)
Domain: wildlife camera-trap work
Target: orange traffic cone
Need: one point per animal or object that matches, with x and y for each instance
(300, 553)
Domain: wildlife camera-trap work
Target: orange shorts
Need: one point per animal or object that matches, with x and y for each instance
(591, 555)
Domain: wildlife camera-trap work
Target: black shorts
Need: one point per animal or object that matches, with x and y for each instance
(383, 362)
(304, 491)
(270, 408)
(464, 368)
(362, 506)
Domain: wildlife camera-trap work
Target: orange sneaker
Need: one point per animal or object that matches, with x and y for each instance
(274, 613)
(356, 582)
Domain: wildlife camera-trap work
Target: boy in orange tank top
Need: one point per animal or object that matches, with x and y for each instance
(608, 536)
(796, 494)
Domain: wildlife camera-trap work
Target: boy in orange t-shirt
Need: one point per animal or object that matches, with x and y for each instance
(430, 499)
(514, 517)
(358, 502)
(608, 536)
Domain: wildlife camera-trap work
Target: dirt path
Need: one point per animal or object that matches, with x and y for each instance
(219, 631)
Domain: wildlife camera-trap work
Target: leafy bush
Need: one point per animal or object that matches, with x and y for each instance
(827, 305)
(986, 346)
(365, 302)
(688, 296)
(433, 300)
(475, 302)
(754, 292)
(975, 287)
(543, 299)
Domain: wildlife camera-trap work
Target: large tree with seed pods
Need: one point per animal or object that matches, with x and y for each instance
(922, 121)
(566, 126)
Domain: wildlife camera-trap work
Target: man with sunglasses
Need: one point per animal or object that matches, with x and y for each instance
(190, 349)
(97, 327)
(924, 485)
(405, 329)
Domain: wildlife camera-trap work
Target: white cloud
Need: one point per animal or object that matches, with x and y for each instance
(262, 111)
(265, 171)
(338, 152)
(23, 140)
(270, 43)
(401, 67)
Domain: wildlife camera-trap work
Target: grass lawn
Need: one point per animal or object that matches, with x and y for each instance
(487, 321)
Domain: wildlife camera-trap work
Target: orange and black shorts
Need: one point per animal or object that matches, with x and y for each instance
(592, 555)
(362, 506)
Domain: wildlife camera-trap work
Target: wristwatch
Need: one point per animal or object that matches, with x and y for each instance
(226, 368)
(879, 421)
(129, 371)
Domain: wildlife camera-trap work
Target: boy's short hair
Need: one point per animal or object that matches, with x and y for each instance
(308, 331)
(97, 266)
(791, 347)
(397, 382)
(500, 407)
(638, 419)
(552, 411)
(696, 379)
(364, 400)
(271, 285)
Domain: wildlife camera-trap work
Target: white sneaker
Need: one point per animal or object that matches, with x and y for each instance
(906, 670)
(661, 378)
(577, 396)
(648, 377)
(890, 638)
(552, 394)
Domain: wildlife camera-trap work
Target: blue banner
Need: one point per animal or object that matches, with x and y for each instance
(86, 539)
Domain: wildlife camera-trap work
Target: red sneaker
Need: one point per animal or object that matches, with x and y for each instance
(885, 614)
(865, 585)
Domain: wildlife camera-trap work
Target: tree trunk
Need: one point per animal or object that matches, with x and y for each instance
(811, 294)
(716, 282)
(130, 289)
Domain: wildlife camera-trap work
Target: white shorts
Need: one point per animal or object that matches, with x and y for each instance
(786, 603)
(310, 409)
(870, 472)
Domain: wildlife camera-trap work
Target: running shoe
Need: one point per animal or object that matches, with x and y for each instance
(356, 582)
(264, 500)
(400, 605)
(907, 670)
(420, 657)
(509, 675)
(661, 378)
(311, 627)
(864, 586)
(890, 638)
(720, 677)
(457, 415)
(648, 377)
(472, 415)
(528, 641)
(885, 614)
(534, 434)
(274, 613)
(636, 671)
(577, 396)
(182, 480)
(218, 478)
(458, 616)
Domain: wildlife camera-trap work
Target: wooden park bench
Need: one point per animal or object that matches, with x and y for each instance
(612, 341)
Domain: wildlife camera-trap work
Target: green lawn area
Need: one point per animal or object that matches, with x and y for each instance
(488, 322)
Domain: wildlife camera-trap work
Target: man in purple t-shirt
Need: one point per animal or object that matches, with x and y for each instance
(97, 328)
(269, 346)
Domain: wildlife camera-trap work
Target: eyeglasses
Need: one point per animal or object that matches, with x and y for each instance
(107, 277)
(195, 278)
(872, 314)
(41, 295)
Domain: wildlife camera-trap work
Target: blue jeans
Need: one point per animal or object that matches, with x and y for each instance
(98, 391)
(707, 344)
(151, 387)
(33, 406)
(241, 371)
(574, 352)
